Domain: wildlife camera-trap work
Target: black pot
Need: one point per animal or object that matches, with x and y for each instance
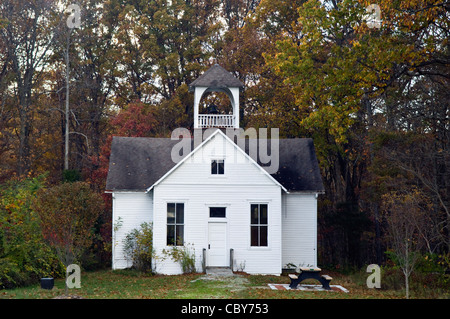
(47, 283)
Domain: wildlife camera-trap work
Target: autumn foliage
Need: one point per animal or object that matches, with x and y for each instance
(25, 257)
(67, 214)
(374, 99)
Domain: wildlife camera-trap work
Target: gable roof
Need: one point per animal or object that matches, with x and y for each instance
(216, 77)
(136, 163)
(216, 132)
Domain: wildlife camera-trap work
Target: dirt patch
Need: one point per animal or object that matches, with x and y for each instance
(232, 282)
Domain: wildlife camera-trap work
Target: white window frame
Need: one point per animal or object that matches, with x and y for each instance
(175, 224)
(259, 247)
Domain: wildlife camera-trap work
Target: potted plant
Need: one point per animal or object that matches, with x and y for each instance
(47, 283)
(290, 268)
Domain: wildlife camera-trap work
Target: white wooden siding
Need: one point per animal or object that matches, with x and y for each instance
(134, 209)
(237, 200)
(242, 184)
(239, 169)
(299, 229)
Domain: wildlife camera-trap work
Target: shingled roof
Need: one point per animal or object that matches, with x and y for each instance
(216, 77)
(136, 163)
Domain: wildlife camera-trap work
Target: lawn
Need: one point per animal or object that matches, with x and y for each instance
(127, 284)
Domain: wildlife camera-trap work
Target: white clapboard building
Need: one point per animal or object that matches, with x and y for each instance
(234, 198)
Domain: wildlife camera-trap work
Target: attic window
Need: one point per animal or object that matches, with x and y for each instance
(217, 167)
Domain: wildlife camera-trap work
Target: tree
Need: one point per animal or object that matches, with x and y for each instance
(92, 69)
(27, 36)
(135, 120)
(237, 12)
(336, 65)
(253, 27)
(67, 213)
(163, 45)
(348, 78)
(408, 228)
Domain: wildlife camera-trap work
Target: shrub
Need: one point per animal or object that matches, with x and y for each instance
(138, 247)
(184, 256)
(68, 213)
(10, 274)
(71, 175)
(24, 255)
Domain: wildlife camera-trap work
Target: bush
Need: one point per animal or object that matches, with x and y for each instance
(68, 213)
(428, 279)
(24, 255)
(138, 247)
(184, 256)
(392, 278)
(71, 175)
(10, 274)
(433, 263)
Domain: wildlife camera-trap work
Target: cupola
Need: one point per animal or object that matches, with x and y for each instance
(216, 79)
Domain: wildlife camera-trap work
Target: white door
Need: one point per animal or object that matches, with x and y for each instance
(217, 245)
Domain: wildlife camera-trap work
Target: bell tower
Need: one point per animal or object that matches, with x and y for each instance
(216, 79)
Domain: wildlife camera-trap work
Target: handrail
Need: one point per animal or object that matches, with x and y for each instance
(215, 120)
(231, 258)
(204, 260)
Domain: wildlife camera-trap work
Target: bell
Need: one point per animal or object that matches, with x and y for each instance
(212, 109)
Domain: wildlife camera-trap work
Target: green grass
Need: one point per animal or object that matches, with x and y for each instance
(127, 284)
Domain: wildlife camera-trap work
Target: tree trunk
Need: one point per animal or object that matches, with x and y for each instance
(66, 133)
(406, 270)
(24, 143)
(24, 89)
(407, 285)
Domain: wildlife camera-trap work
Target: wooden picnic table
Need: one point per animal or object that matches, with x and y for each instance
(310, 273)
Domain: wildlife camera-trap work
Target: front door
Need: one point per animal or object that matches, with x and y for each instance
(217, 245)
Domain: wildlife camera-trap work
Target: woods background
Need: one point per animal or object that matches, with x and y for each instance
(375, 101)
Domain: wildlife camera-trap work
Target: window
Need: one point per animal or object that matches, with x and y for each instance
(258, 225)
(175, 224)
(217, 167)
(219, 212)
